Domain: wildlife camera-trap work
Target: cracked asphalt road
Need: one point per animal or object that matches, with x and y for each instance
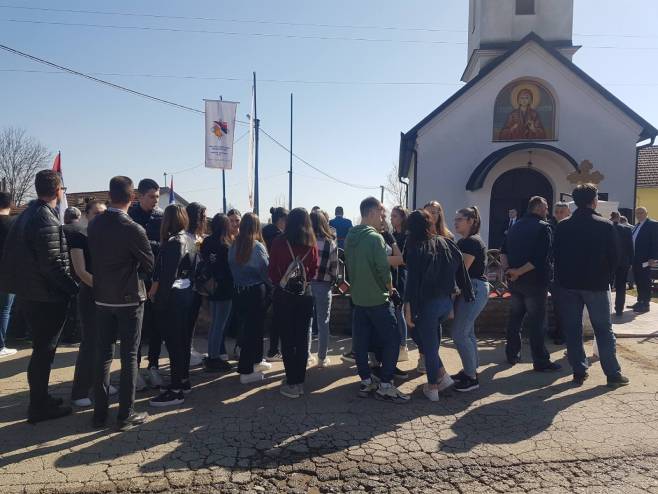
(520, 432)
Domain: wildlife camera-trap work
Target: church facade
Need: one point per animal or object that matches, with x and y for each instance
(527, 122)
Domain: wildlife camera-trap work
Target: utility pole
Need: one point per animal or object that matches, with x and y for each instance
(290, 172)
(223, 181)
(165, 179)
(256, 132)
(382, 188)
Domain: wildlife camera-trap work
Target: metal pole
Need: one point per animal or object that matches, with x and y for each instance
(165, 179)
(223, 181)
(290, 172)
(256, 130)
(382, 199)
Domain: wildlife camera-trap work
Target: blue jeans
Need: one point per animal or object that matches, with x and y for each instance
(402, 325)
(463, 327)
(571, 313)
(221, 312)
(375, 327)
(321, 291)
(6, 301)
(429, 318)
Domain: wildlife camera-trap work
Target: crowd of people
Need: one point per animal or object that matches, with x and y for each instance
(140, 274)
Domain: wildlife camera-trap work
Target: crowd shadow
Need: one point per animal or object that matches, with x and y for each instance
(238, 426)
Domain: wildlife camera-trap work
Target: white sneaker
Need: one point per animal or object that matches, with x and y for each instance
(445, 382)
(6, 352)
(324, 362)
(311, 361)
(290, 391)
(421, 364)
(432, 394)
(251, 378)
(82, 402)
(388, 392)
(262, 366)
(403, 356)
(154, 377)
(140, 385)
(112, 390)
(196, 358)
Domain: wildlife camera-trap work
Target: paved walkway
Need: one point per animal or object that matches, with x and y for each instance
(520, 432)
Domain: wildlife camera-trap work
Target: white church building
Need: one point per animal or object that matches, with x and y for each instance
(523, 124)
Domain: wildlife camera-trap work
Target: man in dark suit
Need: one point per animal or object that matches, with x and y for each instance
(645, 243)
(625, 234)
(121, 258)
(586, 256)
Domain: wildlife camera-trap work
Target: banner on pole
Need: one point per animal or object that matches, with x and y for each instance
(220, 127)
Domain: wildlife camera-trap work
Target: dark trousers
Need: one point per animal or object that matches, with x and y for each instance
(250, 303)
(124, 323)
(46, 321)
(173, 321)
(621, 274)
(274, 333)
(643, 282)
(193, 313)
(83, 378)
(528, 307)
(293, 315)
(375, 327)
(558, 334)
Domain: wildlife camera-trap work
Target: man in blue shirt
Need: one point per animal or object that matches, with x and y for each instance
(341, 225)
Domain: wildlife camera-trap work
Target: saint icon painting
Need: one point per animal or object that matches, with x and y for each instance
(524, 111)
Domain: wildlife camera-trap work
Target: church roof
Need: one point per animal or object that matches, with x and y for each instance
(647, 167)
(408, 140)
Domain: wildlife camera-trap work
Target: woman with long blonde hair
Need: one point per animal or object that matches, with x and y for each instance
(435, 210)
(249, 262)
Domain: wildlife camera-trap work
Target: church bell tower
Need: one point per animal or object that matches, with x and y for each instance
(494, 26)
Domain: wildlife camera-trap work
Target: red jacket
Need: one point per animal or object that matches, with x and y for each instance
(280, 259)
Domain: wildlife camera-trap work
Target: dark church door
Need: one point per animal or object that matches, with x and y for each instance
(513, 190)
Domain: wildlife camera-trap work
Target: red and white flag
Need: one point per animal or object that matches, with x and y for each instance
(63, 205)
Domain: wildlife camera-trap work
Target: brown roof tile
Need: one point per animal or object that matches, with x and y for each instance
(647, 167)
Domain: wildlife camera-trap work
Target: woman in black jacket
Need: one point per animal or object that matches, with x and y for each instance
(172, 300)
(214, 255)
(434, 268)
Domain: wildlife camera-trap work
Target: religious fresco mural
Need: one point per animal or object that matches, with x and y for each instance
(524, 111)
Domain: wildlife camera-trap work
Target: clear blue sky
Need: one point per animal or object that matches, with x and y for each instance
(349, 130)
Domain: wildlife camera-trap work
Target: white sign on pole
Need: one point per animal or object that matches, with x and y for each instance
(220, 127)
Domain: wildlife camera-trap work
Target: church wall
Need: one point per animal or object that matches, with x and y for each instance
(588, 127)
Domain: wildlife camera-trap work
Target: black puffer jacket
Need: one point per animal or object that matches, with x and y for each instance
(151, 222)
(35, 262)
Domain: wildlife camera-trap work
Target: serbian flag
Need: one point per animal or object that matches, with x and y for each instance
(63, 205)
(172, 196)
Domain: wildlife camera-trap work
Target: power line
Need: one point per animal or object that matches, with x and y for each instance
(237, 21)
(282, 146)
(186, 170)
(237, 79)
(235, 33)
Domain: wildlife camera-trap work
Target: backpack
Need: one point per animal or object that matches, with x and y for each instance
(203, 280)
(294, 280)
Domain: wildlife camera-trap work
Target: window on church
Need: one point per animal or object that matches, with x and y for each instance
(525, 7)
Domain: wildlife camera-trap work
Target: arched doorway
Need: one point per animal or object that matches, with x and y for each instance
(512, 190)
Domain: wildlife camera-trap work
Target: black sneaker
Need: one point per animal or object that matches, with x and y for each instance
(55, 401)
(49, 413)
(216, 365)
(466, 384)
(460, 376)
(168, 398)
(618, 381)
(579, 379)
(186, 387)
(641, 309)
(348, 357)
(550, 367)
(400, 374)
(132, 420)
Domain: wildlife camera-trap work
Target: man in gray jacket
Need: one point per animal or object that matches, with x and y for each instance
(121, 259)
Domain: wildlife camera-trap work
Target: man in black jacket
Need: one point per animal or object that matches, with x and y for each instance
(625, 235)
(148, 215)
(526, 260)
(35, 266)
(586, 257)
(120, 257)
(645, 243)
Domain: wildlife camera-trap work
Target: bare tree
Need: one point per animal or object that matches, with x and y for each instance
(21, 157)
(395, 190)
(280, 201)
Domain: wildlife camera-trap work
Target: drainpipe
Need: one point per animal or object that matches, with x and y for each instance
(637, 157)
(406, 192)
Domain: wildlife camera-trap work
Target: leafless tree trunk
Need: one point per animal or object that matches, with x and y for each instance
(21, 157)
(395, 191)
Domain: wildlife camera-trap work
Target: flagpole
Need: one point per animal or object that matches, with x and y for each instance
(223, 178)
(290, 172)
(256, 131)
